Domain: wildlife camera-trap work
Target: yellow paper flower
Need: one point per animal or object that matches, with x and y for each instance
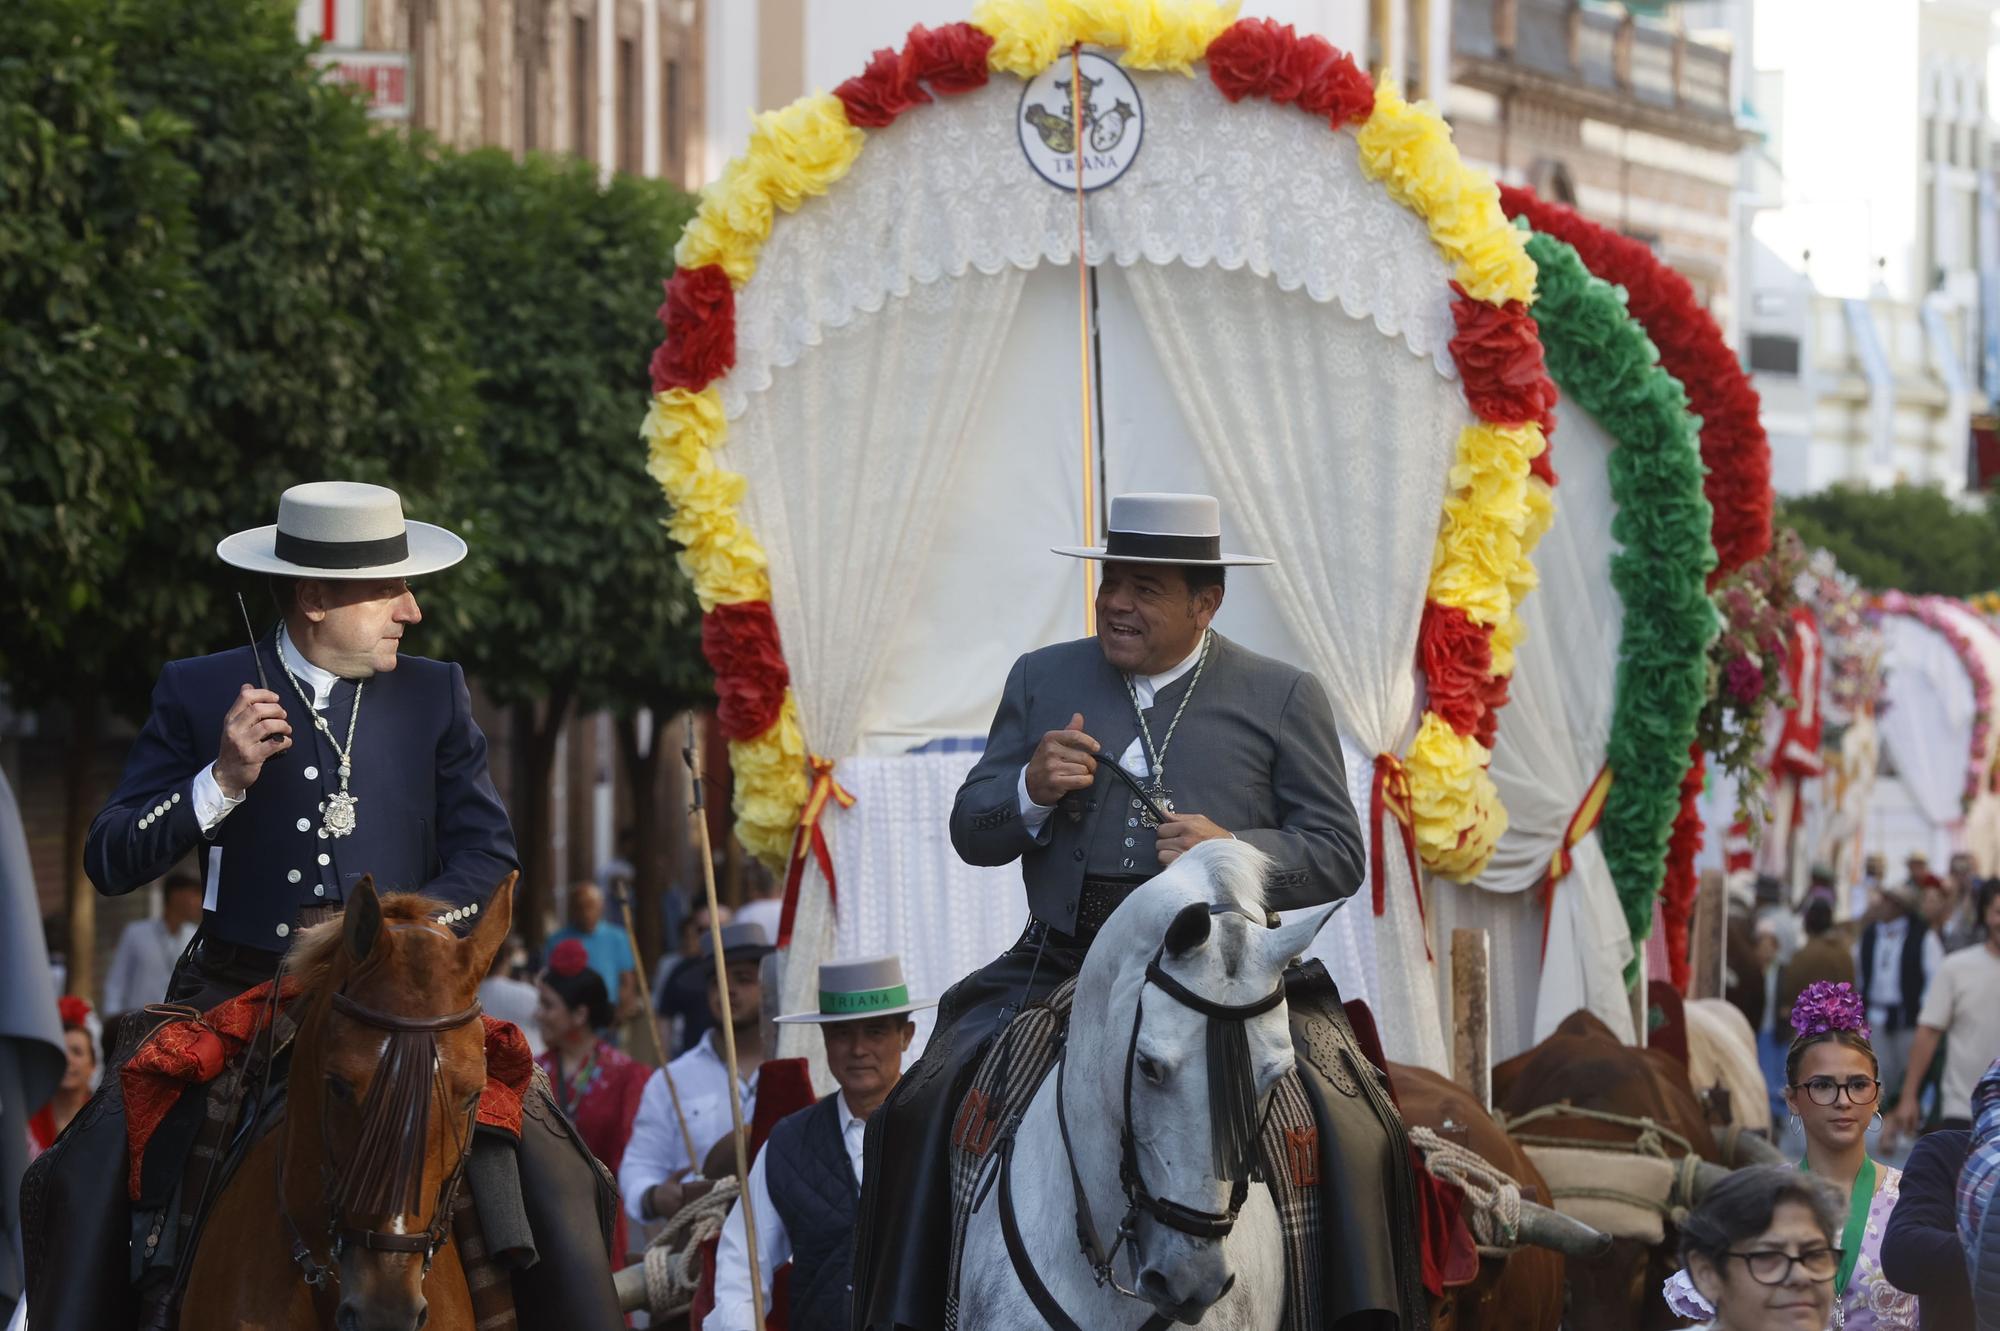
(1455, 807)
(771, 786)
(1408, 148)
(721, 558)
(1028, 35)
(795, 153)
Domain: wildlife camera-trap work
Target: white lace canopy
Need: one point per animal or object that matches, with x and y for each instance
(946, 190)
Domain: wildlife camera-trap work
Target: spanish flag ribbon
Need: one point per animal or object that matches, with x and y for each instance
(810, 839)
(1391, 794)
(1581, 824)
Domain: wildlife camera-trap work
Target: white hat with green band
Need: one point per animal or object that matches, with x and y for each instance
(857, 990)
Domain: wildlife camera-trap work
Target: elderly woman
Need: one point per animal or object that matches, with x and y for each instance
(1760, 1253)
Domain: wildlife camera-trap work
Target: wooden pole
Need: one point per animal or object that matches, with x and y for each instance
(693, 754)
(1083, 346)
(1471, 1022)
(1711, 928)
(624, 899)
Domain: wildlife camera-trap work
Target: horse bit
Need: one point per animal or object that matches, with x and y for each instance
(333, 1185)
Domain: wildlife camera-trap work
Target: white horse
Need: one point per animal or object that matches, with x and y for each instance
(1126, 1190)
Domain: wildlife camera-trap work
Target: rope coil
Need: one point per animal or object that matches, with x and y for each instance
(673, 1259)
(1495, 1198)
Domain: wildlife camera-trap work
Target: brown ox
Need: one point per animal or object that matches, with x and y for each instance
(1524, 1290)
(1584, 1065)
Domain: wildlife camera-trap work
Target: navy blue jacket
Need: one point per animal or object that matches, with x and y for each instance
(1920, 1249)
(427, 816)
(815, 1193)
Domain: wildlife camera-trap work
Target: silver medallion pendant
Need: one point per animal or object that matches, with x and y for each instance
(1162, 799)
(339, 819)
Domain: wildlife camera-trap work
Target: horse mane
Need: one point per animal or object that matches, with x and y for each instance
(1236, 873)
(318, 949)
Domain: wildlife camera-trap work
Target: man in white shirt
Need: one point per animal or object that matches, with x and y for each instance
(1963, 1004)
(148, 949)
(805, 1187)
(684, 1110)
(1894, 960)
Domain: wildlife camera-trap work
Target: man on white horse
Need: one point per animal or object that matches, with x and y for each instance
(1109, 757)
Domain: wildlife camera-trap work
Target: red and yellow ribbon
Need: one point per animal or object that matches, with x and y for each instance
(1581, 824)
(1391, 795)
(810, 839)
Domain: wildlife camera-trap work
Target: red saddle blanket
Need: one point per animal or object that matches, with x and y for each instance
(181, 1054)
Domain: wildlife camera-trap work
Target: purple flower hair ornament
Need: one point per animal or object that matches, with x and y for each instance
(1826, 1005)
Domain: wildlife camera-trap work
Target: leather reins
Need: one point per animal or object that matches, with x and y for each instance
(1139, 1198)
(412, 1120)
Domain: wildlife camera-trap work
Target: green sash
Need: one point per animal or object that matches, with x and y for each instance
(1858, 1202)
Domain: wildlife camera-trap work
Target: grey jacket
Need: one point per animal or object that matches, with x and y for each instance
(1256, 752)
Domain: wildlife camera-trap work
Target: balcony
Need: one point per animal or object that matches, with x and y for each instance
(1628, 70)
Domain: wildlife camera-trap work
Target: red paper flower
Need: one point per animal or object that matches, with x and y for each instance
(951, 59)
(741, 644)
(700, 316)
(1247, 58)
(1499, 356)
(1456, 656)
(1677, 890)
(1330, 83)
(1494, 697)
(568, 958)
(1733, 445)
(881, 92)
(1265, 58)
(74, 1012)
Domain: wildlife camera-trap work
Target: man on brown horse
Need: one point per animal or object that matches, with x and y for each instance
(292, 769)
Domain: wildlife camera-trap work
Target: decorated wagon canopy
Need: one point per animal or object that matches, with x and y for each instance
(869, 421)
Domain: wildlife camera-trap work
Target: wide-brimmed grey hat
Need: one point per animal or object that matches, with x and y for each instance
(342, 529)
(1163, 529)
(740, 942)
(856, 990)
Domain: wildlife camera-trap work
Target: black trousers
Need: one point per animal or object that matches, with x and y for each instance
(80, 1217)
(1371, 1263)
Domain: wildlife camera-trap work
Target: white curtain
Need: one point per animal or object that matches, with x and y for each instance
(903, 889)
(1927, 720)
(842, 454)
(1551, 747)
(1331, 445)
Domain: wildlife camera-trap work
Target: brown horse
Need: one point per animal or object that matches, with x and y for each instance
(339, 1217)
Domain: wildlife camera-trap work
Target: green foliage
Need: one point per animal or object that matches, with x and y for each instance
(574, 591)
(96, 270)
(1910, 538)
(317, 323)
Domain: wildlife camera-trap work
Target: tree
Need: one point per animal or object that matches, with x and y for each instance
(573, 598)
(310, 338)
(1911, 538)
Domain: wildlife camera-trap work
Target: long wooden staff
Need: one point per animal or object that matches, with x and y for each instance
(692, 753)
(624, 899)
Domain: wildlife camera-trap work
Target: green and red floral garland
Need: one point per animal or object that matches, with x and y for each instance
(1604, 362)
(1498, 506)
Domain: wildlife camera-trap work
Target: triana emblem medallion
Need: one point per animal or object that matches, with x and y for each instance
(1113, 122)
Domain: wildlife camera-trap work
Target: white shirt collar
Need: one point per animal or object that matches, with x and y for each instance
(319, 681)
(847, 1119)
(711, 1040)
(1148, 686)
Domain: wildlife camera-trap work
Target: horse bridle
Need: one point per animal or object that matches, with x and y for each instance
(1138, 1197)
(332, 1183)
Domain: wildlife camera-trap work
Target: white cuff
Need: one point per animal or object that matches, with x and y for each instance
(211, 806)
(1033, 814)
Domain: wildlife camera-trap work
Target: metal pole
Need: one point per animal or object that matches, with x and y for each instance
(1083, 345)
(693, 756)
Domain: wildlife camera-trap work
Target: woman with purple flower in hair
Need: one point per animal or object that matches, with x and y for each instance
(1831, 1087)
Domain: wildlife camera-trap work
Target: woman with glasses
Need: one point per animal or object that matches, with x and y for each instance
(1832, 1088)
(1760, 1253)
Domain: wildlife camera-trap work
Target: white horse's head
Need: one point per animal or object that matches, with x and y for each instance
(1177, 1035)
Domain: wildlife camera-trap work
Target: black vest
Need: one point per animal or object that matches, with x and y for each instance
(813, 1187)
(1912, 974)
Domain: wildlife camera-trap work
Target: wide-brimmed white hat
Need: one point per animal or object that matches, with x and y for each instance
(342, 529)
(857, 990)
(1163, 529)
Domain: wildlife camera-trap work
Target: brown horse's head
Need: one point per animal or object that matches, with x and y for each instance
(386, 1073)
